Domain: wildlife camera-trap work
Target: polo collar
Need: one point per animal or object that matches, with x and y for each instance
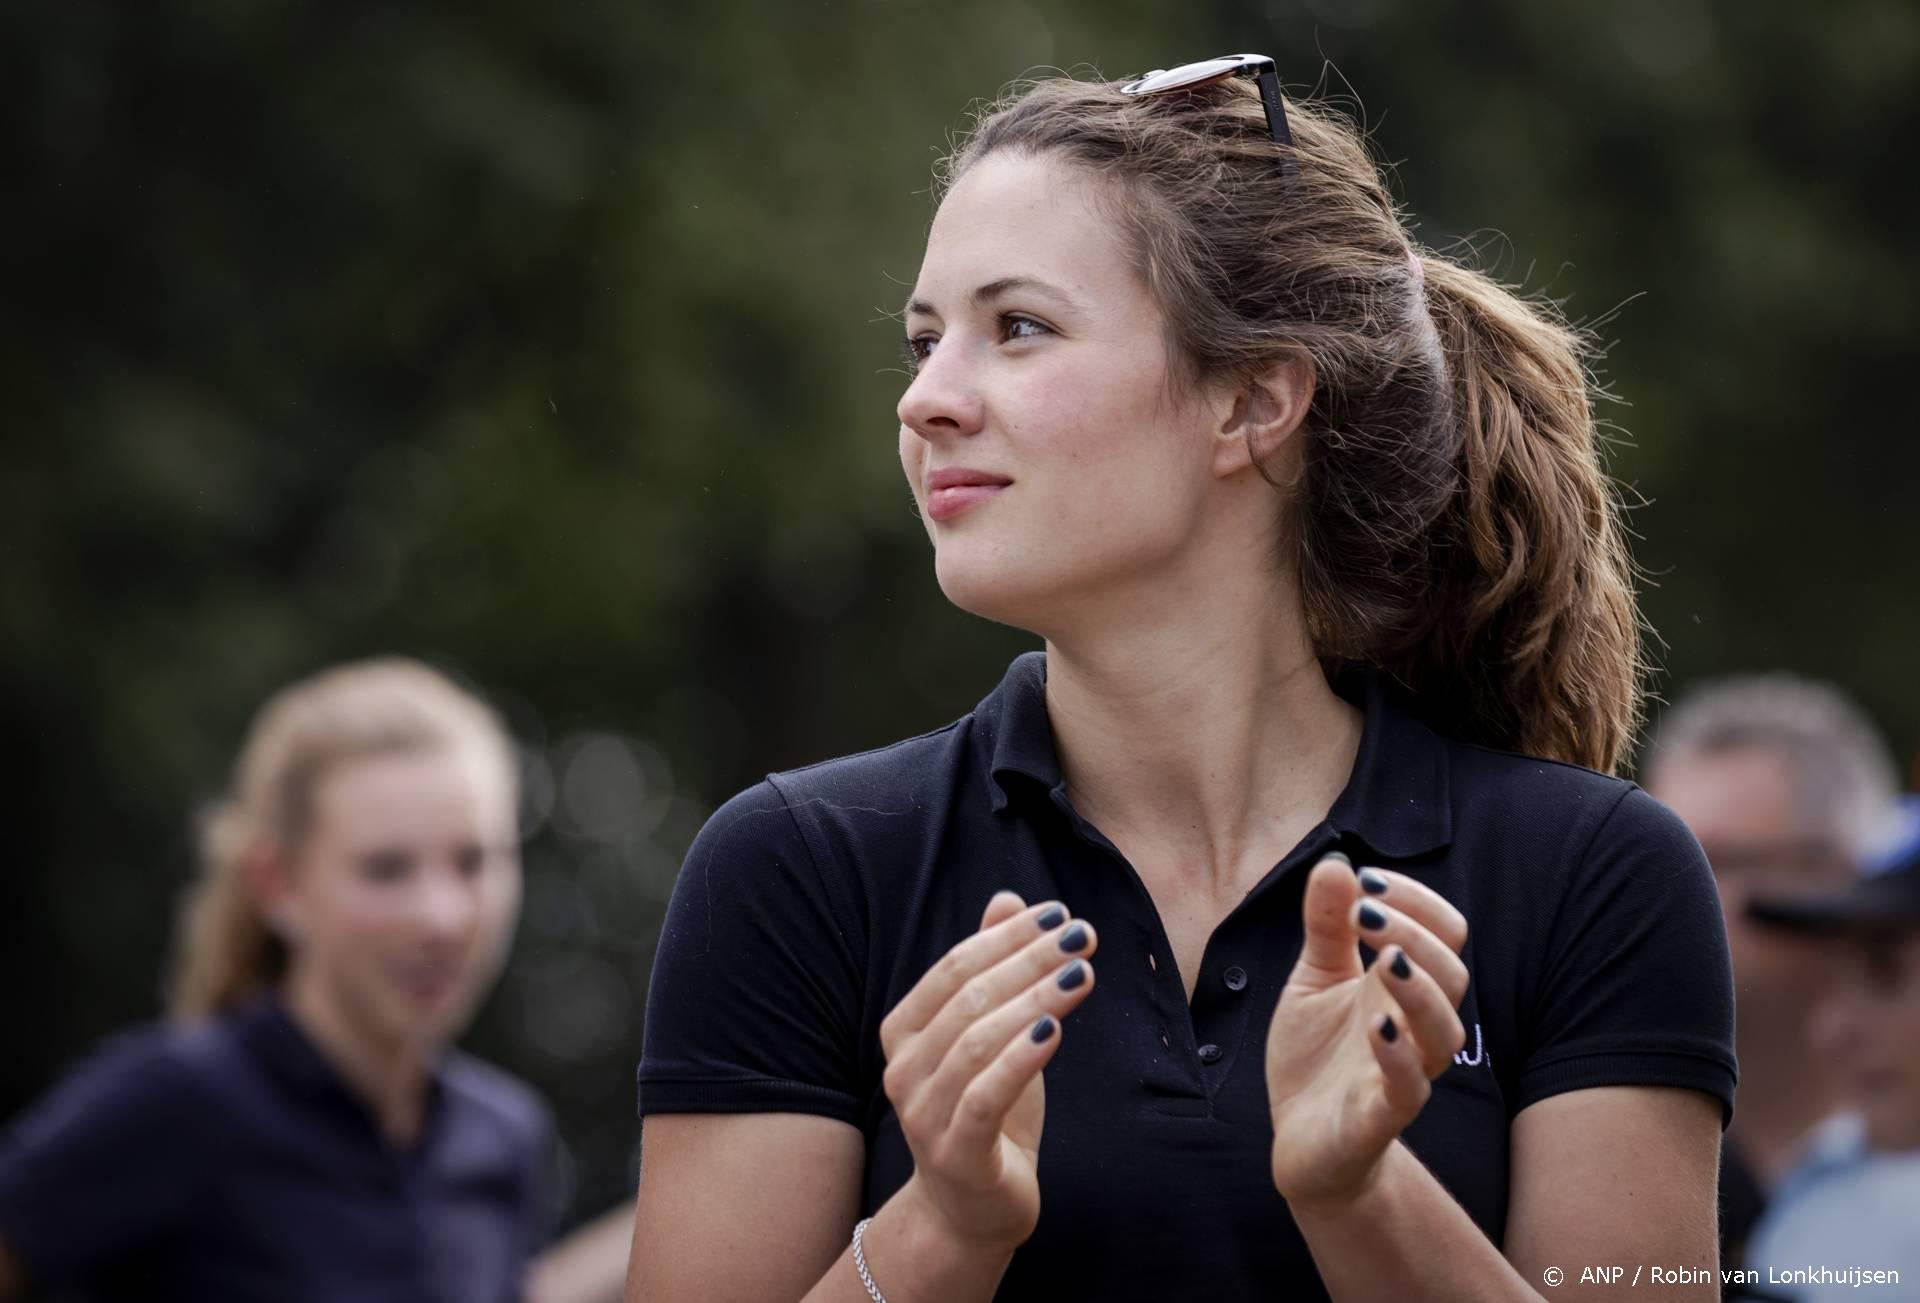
(1397, 804)
(291, 1056)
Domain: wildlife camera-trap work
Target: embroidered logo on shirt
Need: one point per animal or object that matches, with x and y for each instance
(1477, 1055)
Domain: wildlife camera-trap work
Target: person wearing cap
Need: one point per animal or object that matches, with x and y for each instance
(1852, 1200)
(1786, 783)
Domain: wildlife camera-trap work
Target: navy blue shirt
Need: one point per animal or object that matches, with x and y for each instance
(811, 904)
(227, 1160)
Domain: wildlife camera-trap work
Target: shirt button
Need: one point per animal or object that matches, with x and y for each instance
(1235, 978)
(1209, 1053)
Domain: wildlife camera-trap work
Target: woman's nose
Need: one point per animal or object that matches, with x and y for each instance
(448, 904)
(943, 401)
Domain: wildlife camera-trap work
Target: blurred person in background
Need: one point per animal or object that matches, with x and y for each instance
(1314, 526)
(1786, 784)
(302, 1129)
(1852, 1198)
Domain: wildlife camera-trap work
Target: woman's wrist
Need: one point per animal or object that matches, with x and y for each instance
(914, 1253)
(1336, 1201)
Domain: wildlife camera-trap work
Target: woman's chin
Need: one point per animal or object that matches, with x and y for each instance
(989, 592)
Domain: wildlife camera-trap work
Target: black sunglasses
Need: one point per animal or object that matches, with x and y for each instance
(1192, 76)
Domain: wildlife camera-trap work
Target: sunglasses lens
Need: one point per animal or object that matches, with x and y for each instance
(1186, 77)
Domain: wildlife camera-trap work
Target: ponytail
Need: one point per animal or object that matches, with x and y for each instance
(1532, 639)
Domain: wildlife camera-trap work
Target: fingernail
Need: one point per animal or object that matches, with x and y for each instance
(1052, 919)
(1372, 882)
(1074, 938)
(1338, 855)
(1401, 968)
(1043, 1030)
(1371, 919)
(1076, 974)
(1388, 1032)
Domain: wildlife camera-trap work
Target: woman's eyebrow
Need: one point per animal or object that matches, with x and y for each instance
(994, 289)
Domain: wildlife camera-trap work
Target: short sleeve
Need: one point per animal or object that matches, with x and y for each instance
(104, 1162)
(755, 1001)
(1636, 985)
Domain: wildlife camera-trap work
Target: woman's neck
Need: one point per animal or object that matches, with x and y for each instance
(390, 1078)
(1207, 746)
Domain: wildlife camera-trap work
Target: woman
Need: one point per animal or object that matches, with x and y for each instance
(303, 1131)
(1314, 528)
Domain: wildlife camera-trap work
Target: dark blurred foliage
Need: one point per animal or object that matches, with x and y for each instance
(551, 342)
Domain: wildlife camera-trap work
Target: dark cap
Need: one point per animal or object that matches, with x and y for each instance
(1886, 898)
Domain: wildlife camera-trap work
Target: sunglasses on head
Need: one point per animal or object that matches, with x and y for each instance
(1192, 76)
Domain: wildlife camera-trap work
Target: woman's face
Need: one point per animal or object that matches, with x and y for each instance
(1867, 1028)
(402, 900)
(1050, 461)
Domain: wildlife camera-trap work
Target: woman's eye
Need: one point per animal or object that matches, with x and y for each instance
(385, 866)
(469, 860)
(1009, 323)
(916, 349)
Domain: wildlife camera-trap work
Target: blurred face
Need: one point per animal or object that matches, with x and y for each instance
(1868, 1031)
(403, 899)
(1048, 459)
(1743, 807)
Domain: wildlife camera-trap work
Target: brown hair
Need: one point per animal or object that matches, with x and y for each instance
(1452, 524)
(225, 952)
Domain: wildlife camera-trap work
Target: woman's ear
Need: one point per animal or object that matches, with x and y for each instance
(268, 881)
(1262, 416)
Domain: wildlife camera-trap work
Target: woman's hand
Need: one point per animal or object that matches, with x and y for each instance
(1352, 1051)
(964, 1052)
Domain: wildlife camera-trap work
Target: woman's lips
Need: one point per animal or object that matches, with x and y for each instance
(427, 987)
(945, 504)
(953, 489)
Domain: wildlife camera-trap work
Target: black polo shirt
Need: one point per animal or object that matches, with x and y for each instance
(227, 1160)
(810, 904)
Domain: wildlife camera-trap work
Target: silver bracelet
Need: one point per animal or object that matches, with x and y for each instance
(860, 1264)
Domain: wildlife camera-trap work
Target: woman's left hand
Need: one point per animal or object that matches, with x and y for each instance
(1340, 1086)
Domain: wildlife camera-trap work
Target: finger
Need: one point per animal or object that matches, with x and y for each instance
(932, 1107)
(1428, 1016)
(1023, 975)
(974, 955)
(981, 1112)
(1003, 906)
(1381, 925)
(1418, 901)
(1329, 949)
(1405, 1085)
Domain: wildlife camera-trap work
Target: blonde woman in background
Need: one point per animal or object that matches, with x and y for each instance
(302, 1129)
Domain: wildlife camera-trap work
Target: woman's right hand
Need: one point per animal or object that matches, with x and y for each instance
(964, 1065)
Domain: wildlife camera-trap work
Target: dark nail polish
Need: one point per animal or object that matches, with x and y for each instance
(1075, 975)
(1043, 1030)
(1075, 938)
(1372, 919)
(1052, 919)
(1388, 1032)
(1401, 968)
(1338, 855)
(1372, 882)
